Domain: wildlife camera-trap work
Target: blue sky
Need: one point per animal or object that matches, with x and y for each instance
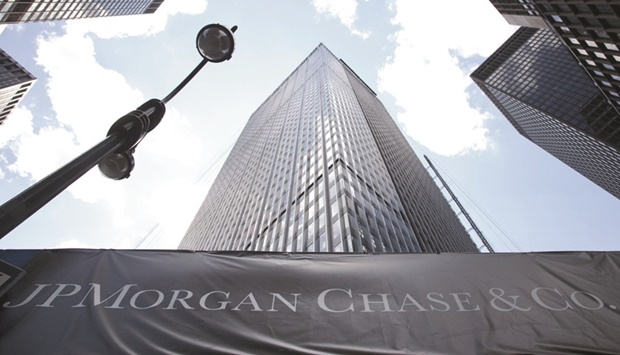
(90, 72)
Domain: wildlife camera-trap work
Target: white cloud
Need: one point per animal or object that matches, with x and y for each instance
(424, 74)
(82, 102)
(343, 10)
(42, 153)
(18, 123)
(17, 126)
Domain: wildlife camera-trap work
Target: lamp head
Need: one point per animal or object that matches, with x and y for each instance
(215, 42)
(117, 166)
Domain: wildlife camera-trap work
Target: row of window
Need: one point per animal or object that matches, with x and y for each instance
(304, 176)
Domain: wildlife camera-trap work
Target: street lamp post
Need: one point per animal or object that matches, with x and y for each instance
(114, 154)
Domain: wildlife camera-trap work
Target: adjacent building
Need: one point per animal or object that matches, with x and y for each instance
(321, 167)
(557, 80)
(15, 11)
(590, 29)
(550, 99)
(15, 81)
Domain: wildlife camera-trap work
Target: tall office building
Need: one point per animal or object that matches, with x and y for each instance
(589, 28)
(15, 81)
(540, 87)
(321, 167)
(14, 11)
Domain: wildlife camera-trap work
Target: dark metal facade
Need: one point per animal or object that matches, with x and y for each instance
(321, 167)
(15, 81)
(15, 11)
(590, 29)
(543, 91)
(520, 13)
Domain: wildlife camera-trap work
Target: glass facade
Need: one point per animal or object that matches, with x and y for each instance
(547, 96)
(589, 28)
(321, 167)
(520, 13)
(15, 81)
(14, 11)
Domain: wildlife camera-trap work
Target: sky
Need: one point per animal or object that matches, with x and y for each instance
(416, 55)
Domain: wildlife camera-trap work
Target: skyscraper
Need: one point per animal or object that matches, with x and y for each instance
(15, 81)
(546, 95)
(14, 11)
(590, 29)
(321, 167)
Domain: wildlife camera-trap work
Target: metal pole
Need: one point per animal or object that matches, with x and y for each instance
(124, 135)
(458, 203)
(22, 206)
(191, 75)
